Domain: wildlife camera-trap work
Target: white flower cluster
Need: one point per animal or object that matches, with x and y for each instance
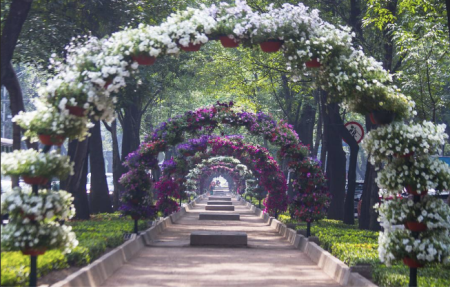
(398, 244)
(48, 120)
(23, 206)
(32, 163)
(420, 173)
(432, 211)
(399, 139)
(50, 235)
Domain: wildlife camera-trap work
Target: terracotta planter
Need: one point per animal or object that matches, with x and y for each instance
(135, 217)
(404, 155)
(34, 252)
(304, 169)
(228, 42)
(144, 60)
(107, 83)
(191, 47)
(76, 111)
(314, 63)
(135, 201)
(271, 46)
(381, 117)
(57, 140)
(415, 226)
(412, 263)
(39, 180)
(413, 191)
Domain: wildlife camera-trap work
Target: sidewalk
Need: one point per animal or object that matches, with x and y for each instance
(269, 260)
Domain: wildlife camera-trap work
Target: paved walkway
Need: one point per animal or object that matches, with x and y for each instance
(269, 260)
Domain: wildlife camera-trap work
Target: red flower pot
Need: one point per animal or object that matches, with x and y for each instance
(304, 169)
(415, 226)
(412, 263)
(39, 180)
(57, 140)
(107, 83)
(135, 201)
(404, 155)
(143, 59)
(135, 217)
(413, 191)
(314, 63)
(271, 46)
(76, 111)
(191, 47)
(228, 42)
(34, 252)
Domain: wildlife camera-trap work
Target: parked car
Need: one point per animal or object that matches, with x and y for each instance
(109, 181)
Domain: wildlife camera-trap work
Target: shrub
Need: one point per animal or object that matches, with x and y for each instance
(398, 275)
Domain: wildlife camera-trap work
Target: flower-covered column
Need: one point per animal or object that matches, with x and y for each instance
(416, 227)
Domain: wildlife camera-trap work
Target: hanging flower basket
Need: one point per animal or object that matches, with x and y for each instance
(108, 82)
(314, 63)
(135, 201)
(39, 180)
(135, 217)
(408, 155)
(191, 47)
(415, 226)
(412, 263)
(57, 140)
(271, 46)
(34, 252)
(381, 117)
(143, 59)
(227, 42)
(76, 111)
(304, 169)
(413, 191)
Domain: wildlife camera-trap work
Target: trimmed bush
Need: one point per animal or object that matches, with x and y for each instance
(398, 275)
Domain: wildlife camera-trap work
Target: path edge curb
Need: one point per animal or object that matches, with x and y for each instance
(95, 273)
(331, 265)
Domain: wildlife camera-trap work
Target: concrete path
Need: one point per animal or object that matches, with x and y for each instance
(268, 260)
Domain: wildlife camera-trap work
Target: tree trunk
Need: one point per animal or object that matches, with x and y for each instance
(336, 161)
(76, 184)
(131, 126)
(368, 218)
(99, 196)
(17, 15)
(305, 128)
(447, 4)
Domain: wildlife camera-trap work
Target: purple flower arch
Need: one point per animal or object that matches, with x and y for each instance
(205, 120)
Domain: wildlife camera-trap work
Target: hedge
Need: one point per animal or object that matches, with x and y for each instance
(95, 236)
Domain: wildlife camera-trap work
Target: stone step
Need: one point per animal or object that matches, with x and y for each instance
(219, 203)
(218, 216)
(228, 238)
(219, 207)
(219, 198)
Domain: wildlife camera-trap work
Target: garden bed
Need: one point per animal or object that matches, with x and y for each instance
(359, 248)
(96, 237)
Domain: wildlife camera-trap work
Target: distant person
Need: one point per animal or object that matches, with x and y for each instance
(217, 183)
(211, 188)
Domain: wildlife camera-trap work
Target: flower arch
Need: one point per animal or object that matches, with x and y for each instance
(95, 69)
(256, 158)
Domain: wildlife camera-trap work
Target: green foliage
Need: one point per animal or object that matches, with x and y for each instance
(399, 276)
(96, 236)
(358, 253)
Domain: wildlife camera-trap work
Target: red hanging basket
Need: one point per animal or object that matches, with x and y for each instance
(191, 47)
(227, 42)
(413, 191)
(271, 46)
(143, 59)
(412, 263)
(314, 63)
(34, 252)
(107, 83)
(57, 140)
(416, 226)
(39, 180)
(76, 111)
(135, 217)
(304, 169)
(408, 155)
(381, 117)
